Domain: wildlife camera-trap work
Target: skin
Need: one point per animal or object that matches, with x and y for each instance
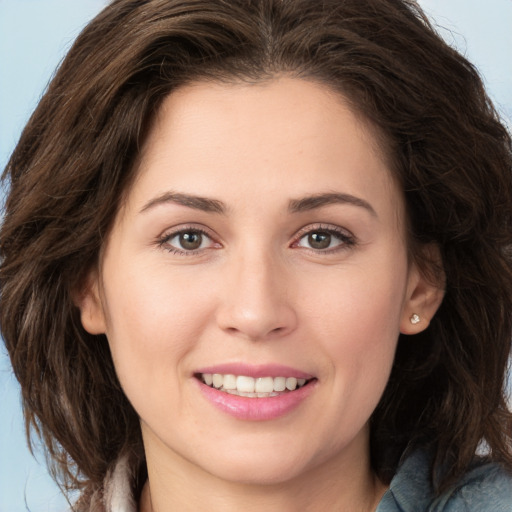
(257, 292)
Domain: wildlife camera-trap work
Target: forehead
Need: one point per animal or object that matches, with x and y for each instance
(285, 135)
(281, 101)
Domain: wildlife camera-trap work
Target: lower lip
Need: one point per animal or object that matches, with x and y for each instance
(256, 409)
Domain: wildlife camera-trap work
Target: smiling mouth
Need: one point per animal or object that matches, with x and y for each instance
(259, 387)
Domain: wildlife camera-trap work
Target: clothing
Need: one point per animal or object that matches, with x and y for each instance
(116, 494)
(485, 488)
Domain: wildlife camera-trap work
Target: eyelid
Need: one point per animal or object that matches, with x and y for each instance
(346, 237)
(169, 233)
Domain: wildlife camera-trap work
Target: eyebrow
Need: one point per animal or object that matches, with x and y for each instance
(319, 200)
(303, 204)
(196, 202)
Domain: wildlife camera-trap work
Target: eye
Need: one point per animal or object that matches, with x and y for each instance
(186, 241)
(325, 239)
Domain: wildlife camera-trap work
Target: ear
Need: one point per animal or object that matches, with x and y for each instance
(425, 292)
(88, 300)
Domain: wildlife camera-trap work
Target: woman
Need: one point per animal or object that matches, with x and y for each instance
(257, 255)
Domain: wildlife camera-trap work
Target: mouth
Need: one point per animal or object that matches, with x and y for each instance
(252, 387)
(255, 392)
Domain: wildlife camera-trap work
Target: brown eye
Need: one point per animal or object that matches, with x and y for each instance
(319, 240)
(187, 241)
(190, 240)
(326, 239)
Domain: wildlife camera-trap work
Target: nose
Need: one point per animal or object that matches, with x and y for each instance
(256, 301)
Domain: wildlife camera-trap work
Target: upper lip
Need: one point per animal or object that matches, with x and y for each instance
(261, 370)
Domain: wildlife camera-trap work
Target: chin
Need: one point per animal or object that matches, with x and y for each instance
(256, 472)
(262, 465)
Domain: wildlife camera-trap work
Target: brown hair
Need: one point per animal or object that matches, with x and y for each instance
(75, 158)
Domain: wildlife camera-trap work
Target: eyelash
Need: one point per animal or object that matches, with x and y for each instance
(163, 241)
(347, 240)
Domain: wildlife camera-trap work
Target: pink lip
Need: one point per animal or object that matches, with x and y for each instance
(256, 409)
(265, 370)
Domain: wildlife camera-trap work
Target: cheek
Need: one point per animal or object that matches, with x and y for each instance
(360, 300)
(153, 322)
(356, 320)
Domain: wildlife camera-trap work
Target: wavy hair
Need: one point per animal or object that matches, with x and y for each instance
(76, 158)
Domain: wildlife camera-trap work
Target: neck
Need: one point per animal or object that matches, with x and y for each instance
(343, 484)
(267, 500)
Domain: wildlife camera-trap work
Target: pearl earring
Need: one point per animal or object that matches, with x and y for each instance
(415, 319)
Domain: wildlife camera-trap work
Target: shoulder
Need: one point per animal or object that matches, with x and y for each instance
(116, 494)
(485, 488)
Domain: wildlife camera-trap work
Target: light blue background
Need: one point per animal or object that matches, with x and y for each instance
(34, 35)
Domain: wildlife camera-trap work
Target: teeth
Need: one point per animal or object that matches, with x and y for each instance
(291, 383)
(218, 380)
(280, 383)
(248, 386)
(251, 395)
(229, 382)
(245, 384)
(264, 385)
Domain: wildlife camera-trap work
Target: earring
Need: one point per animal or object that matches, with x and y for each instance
(415, 319)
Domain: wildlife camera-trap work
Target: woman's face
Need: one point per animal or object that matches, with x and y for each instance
(263, 239)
